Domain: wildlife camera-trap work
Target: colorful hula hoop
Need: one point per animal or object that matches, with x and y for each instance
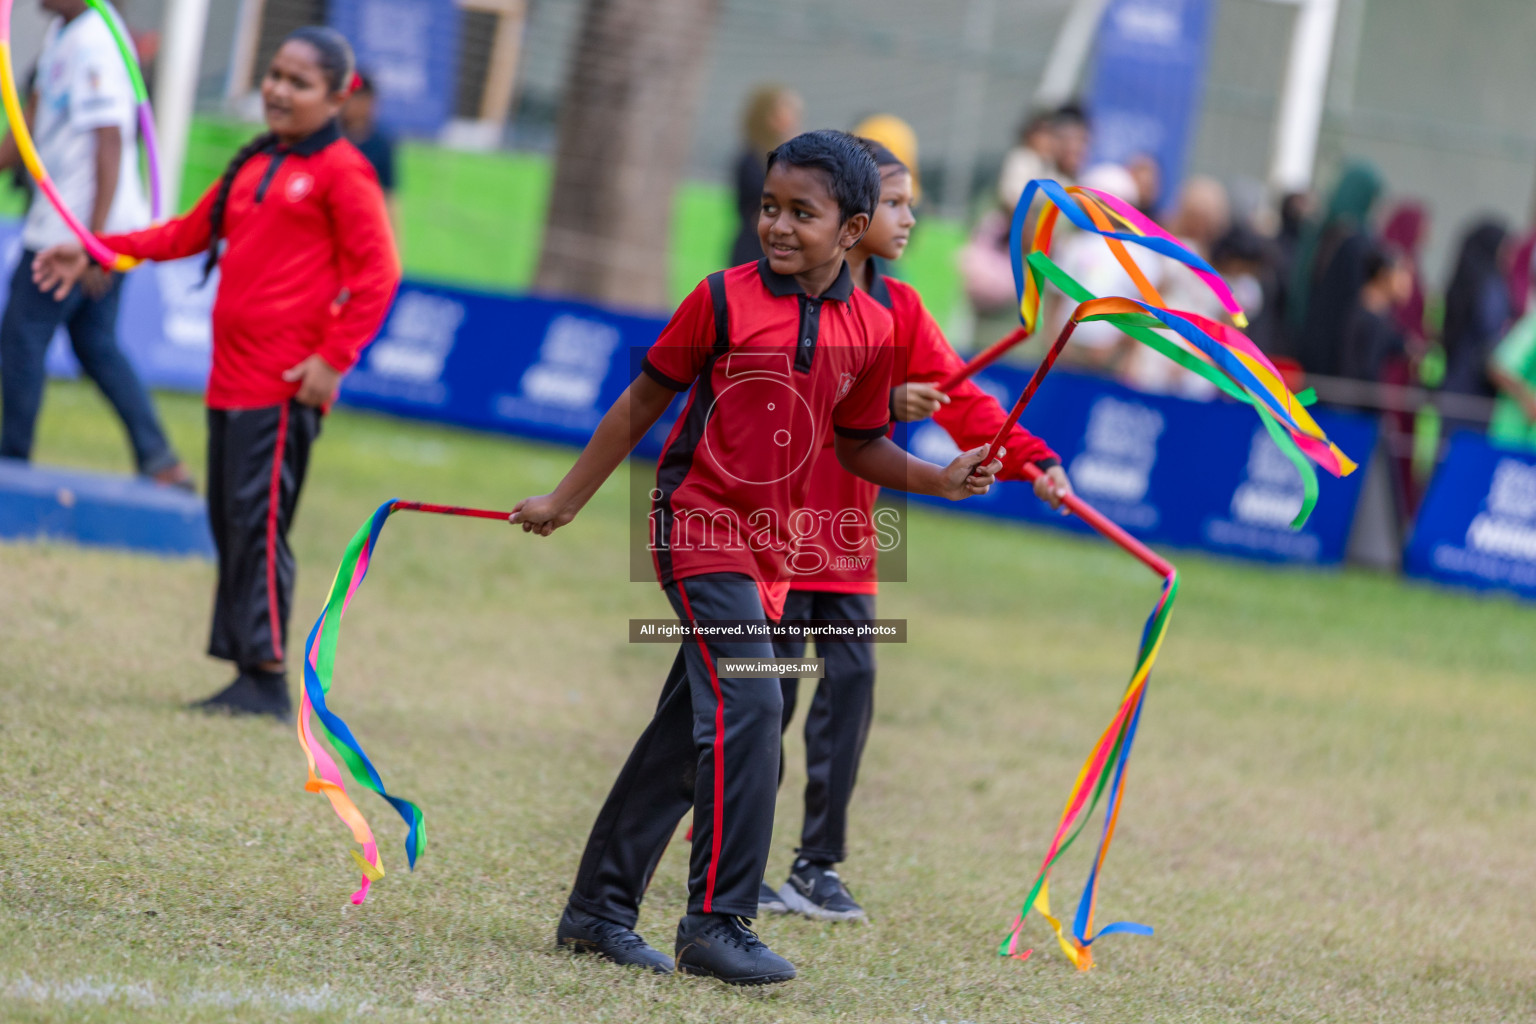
(13, 113)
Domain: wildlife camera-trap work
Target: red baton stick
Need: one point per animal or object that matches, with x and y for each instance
(1100, 522)
(984, 359)
(450, 510)
(1077, 506)
(1030, 389)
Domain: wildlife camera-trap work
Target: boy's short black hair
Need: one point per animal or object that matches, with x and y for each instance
(853, 177)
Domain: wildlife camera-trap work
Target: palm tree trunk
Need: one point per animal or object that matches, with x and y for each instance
(626, 120)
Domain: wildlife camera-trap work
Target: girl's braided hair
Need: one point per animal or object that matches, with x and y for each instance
(334, 55)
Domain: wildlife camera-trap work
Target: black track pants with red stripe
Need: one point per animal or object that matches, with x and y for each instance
(256, 464)
(838, 723)
(713, 745)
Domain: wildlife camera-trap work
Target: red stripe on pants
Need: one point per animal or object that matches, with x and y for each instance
(719, 745)
(274, 499)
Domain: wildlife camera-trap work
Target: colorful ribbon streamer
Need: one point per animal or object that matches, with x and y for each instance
(1217, 352)
(319, 665)
(34, 163)
(1105, 767)
(1228, 359)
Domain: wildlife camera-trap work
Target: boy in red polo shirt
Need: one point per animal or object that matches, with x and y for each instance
(782, 357)
(844, 588)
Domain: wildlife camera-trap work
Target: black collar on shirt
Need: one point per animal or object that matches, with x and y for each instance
(878, 289)
(315, 141)
(782, 285)
(309, 145)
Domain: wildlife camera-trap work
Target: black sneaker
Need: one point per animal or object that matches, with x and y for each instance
(769, 901)
(816, 891)
(581, 932)
(253, 692)
(721, 946)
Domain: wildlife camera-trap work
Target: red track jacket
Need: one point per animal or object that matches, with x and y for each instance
(846, 533)
(309, 265)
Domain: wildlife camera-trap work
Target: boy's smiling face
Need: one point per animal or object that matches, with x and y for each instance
(801, 227)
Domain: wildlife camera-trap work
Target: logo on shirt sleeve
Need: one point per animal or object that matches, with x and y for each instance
(844, 386)
(298, 186)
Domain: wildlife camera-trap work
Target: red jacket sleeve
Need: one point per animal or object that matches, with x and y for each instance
(367, 260)
(174, 239)
(972, 418)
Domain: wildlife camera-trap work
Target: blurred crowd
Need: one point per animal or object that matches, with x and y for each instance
(1332, 285)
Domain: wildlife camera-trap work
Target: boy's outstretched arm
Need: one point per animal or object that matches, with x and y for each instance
(882, 461)
(622, 427)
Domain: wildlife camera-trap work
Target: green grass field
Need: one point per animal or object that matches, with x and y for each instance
(1328, 818)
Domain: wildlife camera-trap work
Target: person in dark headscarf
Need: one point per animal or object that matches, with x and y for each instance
(1477, 309)
(1326, 277)
(772, 116)
(1520, 275)
(1405, 229)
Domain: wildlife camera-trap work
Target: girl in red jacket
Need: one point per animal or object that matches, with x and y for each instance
(307, 268)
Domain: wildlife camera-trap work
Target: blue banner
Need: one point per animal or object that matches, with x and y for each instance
(1149, 73)
(409, 48)
(1477, 525)
(1170, 470)
(535, 367)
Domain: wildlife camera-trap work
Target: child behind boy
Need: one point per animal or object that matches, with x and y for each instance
(843, 706)
(779, 356)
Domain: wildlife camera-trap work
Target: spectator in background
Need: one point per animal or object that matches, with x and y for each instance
(1520, 277)
(1375, 339)
(1244, 261)
(1295, 210)
(770, 118)
(1326, 278)
(1512, 370)
(897, 136)
(1098, 346)
(1072, 140)
(359, 122)
(1033, 156)
(1050, 145)
(83, 119)
(1148, 174)
(1404, 230)
(1477, 309)
(1202, 216)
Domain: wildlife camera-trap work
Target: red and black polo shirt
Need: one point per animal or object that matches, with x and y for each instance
(774, 372)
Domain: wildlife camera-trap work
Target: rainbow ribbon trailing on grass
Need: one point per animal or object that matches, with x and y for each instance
(319, 665)
(1217, 352)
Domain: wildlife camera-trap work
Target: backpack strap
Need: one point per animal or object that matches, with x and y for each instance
(722, 311)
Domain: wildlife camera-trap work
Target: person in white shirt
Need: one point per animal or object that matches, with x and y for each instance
(82, 117)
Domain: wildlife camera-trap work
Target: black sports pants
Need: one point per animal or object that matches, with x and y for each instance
(713, 746)
(838, 722)
(256, 464)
